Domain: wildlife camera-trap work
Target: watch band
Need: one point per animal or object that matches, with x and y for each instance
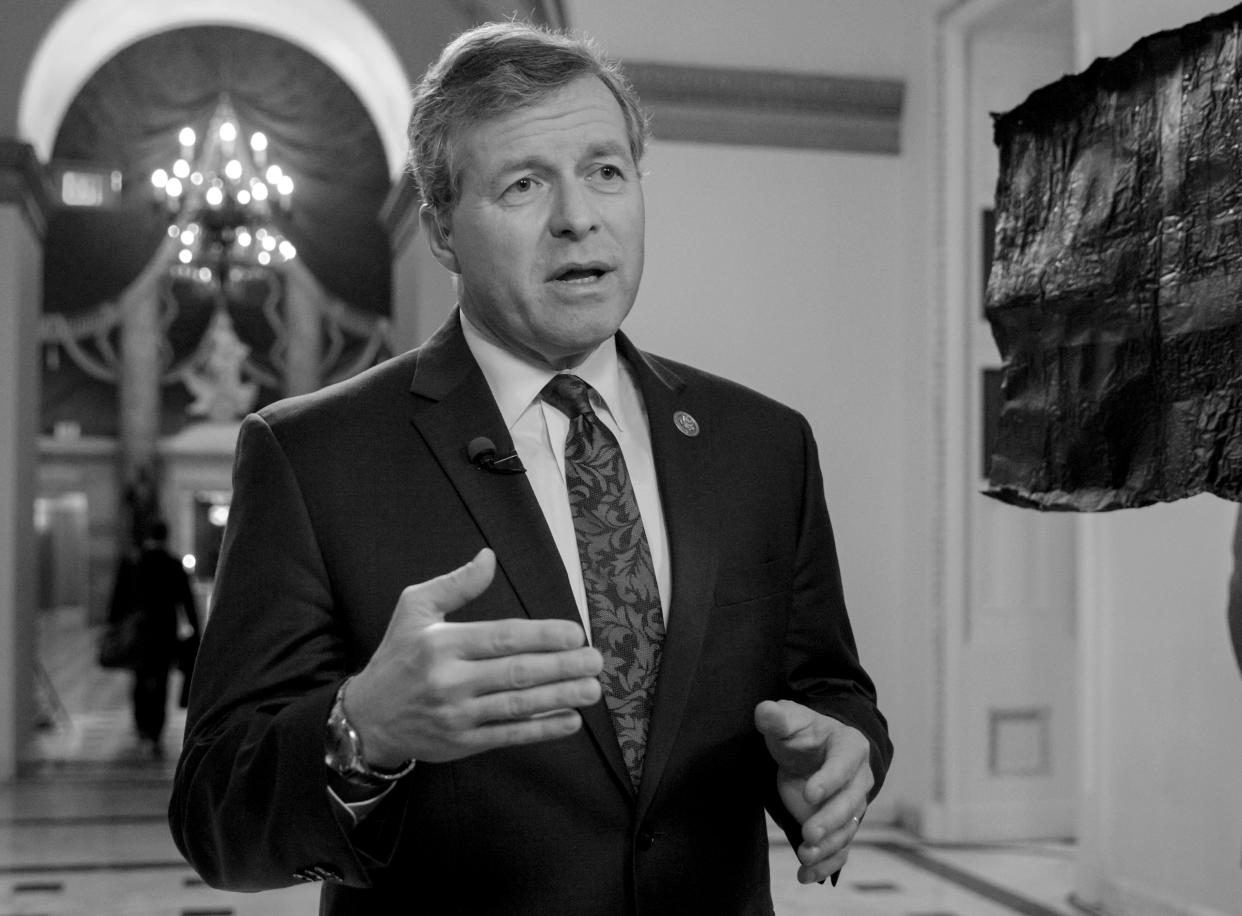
(343, 751)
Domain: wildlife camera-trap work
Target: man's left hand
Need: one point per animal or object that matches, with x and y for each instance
(823, 776)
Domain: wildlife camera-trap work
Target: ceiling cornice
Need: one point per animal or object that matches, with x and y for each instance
(770, 108)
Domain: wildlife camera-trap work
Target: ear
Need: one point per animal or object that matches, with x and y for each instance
(439, 237)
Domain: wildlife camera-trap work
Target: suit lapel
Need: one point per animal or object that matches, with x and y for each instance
(682, 465)
(453, 404)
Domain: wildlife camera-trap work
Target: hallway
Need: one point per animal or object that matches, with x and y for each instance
(84, 831)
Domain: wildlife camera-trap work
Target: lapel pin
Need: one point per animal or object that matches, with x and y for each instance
(686, 424)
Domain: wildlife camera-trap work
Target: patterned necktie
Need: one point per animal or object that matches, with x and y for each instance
(623, 600)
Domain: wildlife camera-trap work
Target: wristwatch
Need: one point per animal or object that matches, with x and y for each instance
(343, 750)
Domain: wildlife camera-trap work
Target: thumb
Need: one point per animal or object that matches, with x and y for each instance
(429, 602)
(790, 731)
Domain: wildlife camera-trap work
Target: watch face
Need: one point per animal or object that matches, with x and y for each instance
(341, 752)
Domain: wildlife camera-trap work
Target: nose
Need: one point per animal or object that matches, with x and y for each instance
(573, 215)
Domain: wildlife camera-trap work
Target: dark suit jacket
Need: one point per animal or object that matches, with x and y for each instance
(344, 497)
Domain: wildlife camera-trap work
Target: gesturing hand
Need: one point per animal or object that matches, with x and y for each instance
(823, 776)
(438, 691)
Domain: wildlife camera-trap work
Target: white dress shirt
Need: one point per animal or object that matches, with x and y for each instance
(539, 430)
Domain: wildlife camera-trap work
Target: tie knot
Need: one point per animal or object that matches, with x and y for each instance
(568, 394)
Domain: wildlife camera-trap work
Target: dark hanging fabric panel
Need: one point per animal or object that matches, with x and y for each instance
(1115, 295)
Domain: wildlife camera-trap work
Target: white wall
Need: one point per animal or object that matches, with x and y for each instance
(1163, 794)
(804, 274)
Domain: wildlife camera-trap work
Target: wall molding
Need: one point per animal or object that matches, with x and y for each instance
(23, 182)
(770, 108)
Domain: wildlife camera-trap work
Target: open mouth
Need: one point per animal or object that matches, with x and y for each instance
(588, 274)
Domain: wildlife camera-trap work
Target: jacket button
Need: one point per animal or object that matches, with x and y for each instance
(645, 841)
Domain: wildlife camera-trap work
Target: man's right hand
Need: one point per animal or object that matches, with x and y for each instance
(438, 691)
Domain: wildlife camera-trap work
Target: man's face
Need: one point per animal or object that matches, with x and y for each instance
(547, 232)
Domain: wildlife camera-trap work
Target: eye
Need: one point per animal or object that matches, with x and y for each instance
(523, 185)
(607, 177)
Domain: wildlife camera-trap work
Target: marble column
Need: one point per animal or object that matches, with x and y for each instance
(24, 207)
(138, 384)
(304, 325)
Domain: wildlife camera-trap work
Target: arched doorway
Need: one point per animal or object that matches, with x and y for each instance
(87, 35)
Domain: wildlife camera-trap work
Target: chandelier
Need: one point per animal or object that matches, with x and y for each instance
(221, 196)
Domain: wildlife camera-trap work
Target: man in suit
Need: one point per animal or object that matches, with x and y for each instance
(527, 621)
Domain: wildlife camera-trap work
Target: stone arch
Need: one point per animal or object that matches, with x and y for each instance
(89, 32)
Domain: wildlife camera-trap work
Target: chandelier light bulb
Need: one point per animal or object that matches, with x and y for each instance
(221, 207)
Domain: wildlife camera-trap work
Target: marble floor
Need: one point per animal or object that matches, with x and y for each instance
(83, 831)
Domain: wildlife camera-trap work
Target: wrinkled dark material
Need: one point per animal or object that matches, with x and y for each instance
(1115, 295)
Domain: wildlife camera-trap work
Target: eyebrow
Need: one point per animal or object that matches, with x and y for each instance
(527, 163)
(610, 148)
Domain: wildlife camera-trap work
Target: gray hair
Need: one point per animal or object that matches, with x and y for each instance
(490, 71)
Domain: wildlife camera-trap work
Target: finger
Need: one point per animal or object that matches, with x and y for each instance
(793, 736)
(846, 767)
(531, 669)
(822, 869)
(834, 824)
(513, 636)
(559, 724)
(512, 705)
(428, 602)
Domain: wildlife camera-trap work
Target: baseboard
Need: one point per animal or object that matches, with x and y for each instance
(1121, 897)
(991, 822)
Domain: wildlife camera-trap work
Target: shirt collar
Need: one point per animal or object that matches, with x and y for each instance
(516, 383)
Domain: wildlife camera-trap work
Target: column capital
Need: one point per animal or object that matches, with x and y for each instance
(23, 182)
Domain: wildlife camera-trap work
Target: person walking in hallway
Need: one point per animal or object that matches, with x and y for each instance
(155, 587)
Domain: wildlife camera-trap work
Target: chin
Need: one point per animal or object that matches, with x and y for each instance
(570, 350)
